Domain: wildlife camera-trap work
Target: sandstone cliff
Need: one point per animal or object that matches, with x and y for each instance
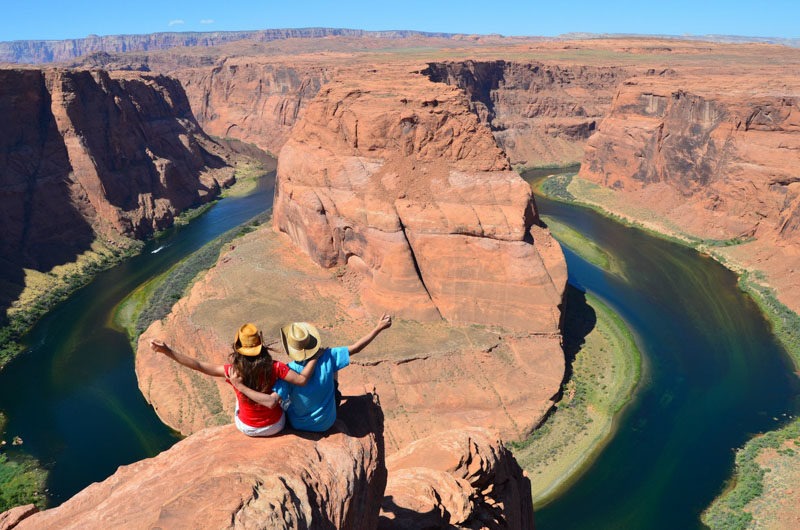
(714, 158)
(47, 51)
(393, 177)
(540, 114)
(457, 479)
(431, 377)
(252, 100)
(87, 154)
(219, 478)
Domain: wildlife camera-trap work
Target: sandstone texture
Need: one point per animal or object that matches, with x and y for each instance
(458, 479)
(255, 101)
(715, 158)
(220, 478)
(539, 114)
(430, 376)
(88, 154)
(393, 178)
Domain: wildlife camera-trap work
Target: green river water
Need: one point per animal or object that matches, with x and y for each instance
(713, 376)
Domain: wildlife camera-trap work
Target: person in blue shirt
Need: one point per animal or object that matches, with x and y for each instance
(312, 407)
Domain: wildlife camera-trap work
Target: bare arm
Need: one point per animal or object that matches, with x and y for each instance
(303, 377)
(384, 323)
(270, 400)
(215, 370)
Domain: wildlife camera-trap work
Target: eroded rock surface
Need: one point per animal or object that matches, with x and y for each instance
(716, 158)
(539, 114)
(456, 479)
(392, 177)
(220, 478)
(431, 377)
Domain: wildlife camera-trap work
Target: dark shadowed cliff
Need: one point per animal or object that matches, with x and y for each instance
(87, 155)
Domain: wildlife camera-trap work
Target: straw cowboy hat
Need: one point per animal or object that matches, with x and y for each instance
(248, 340)
(300, 340)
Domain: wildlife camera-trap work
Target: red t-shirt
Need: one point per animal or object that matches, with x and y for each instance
(252, 413)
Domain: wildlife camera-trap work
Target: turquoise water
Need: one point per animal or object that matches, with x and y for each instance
(72, 396)
(714, 376)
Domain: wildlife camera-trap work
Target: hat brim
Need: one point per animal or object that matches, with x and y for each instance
(251, 351)
(301, 355)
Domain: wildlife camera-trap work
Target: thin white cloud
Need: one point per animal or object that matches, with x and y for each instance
(207, 21)
(176, 22)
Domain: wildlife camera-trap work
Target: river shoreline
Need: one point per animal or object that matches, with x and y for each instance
(746, 488)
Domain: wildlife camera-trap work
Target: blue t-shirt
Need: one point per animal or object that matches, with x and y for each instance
(313, 407)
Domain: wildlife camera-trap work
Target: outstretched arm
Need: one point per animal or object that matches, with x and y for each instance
(303, 377)
(360, 344)
(216, 370)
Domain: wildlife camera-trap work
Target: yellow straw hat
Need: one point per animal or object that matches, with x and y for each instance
(248, 340)
(300, 340)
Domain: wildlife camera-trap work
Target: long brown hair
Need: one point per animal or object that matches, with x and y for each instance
(255, 370)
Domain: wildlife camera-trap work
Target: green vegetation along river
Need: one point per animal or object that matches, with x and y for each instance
(713, 376)
(72, 396)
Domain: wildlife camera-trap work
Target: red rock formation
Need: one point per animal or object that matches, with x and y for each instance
(431, 377)
(220, 478)
(11, 518)
(393, 176)
(540, 114)
(456, 479)
(252, 99)
(86, 154)
(716, 157)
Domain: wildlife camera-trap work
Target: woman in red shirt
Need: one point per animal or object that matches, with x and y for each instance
(252, 362)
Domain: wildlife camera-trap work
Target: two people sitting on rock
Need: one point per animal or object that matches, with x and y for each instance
(311, 407)
(260, 383)
(250, 364)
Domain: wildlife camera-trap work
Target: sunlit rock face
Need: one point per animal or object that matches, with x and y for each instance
(393, 177)
(715, 155)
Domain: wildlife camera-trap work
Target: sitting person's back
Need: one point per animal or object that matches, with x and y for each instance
(313, 406)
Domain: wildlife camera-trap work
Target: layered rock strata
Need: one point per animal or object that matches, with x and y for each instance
(47, 51)
(120, 152)
(392, 177)
(713, 158)
(457, 479)
(540, 114)
(87, 154)
(250, 99)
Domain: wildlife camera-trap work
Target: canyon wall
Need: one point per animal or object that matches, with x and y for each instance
(713, 158)
(540, 114)
(250, 99)
(48, 51)
(87, 154)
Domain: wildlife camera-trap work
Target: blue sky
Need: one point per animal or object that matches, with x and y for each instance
(58, 19)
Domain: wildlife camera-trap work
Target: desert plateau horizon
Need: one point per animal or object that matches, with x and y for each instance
(588, 244)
